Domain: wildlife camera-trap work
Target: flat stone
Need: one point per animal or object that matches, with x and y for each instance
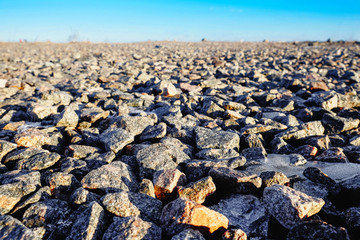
(136, 125)
(38, 161)
(111, 177)
(126, 204)
(165, 181)
(89, 224)
(67, 118)
(289, 206)
(197, 191)
(6, 147)
(207, 138)
(245, 212)
(167, 157)
(196, 169)
(317, 230)
(11, 194)
(270, 178)
(132, 228)
(11, 228)
(31, 137)
(316, 175)
(214, 153)
(48, 214)
(93, 114)
(41, 194)
(235, 181)
(154, 132)
(180, 214)
(116, 139)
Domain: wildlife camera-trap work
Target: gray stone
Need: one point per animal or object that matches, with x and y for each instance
(111, 177)
(245, 212)
(38, 161)
(6, 147)
(116, 139)
(213, 153)
(125, 204)
(167, 157)
(235, 181)
(154, 132)
(89, 224)
(207, 138)
(41, 194)
(67, 118)
(136, 125)
(289, 206)
(132, 228)
(317, 230)
(83, 196)
(11, 228)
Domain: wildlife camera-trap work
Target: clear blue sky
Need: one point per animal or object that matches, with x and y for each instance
(142, 20)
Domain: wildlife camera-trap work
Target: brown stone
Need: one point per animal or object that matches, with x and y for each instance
(31, 137)
(165, 181)
(198, 190)
(181, 214)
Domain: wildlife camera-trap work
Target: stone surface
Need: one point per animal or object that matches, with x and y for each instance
(31, 137)
(165, 181)
(181, 214)
(197, 191)
(235, 181)
(116, 139)
(89, 224)
(132, 228)
(111, 177)
(289, 206)
(188, 234)
(207, 138)
(317, 230)
(245, 212)
(125, 204)
(11, 228)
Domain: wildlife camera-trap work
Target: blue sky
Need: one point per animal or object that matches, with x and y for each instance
(142, 20)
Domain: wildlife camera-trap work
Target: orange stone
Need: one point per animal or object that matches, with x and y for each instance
(165, 181)
(202, 216)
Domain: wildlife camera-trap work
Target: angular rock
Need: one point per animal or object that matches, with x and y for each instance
(297, 159)
(213, 153)
(154, 132)
(207, 138)
(93, 114)
(62, 185)
(317, 230)
(316, 175)
(11, 194)
(270, 178)
(111, 177)
(116, 139)
(81, 196)
(289, 206)
(233, 233)
(147, 187)
(11, 228)
(125, 204)
(197, 191)
(6, 147)
(38, 161)
(42, 194)
(333, 154)
(196, 169)
(136, 125)
(167, 157)
(132, 228)
(181, 214)
(245, 212)
(31, 137)
(67, 118)
(165, 181)
(89, 224)
(235, 181)
(335, 124)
